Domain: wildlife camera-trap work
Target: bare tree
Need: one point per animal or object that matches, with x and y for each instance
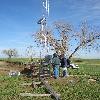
(87, 38)
(30, 52)
(68, 42)
(10, 53)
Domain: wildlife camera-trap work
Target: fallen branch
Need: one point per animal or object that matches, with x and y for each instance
(50, 89)
(36, 95)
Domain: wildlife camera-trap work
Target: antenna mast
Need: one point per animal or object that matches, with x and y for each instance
(46, 7)
(43, 20)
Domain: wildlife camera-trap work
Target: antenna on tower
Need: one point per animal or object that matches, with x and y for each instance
(43, 20)
(46, 7)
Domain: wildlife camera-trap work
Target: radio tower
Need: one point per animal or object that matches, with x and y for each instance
(43, 20)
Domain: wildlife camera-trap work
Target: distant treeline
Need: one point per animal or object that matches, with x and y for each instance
(27, 60)
(19, 61)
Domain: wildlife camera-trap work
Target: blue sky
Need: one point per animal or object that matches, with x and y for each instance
(18, 19)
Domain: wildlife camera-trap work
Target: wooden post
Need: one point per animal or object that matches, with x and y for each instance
(36, 95)
(49, 88)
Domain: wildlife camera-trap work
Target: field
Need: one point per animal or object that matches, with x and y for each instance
(82, 83)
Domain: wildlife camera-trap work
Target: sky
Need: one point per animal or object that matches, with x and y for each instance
(18, 20)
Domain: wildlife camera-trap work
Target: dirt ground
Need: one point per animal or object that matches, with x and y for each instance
(5, 68)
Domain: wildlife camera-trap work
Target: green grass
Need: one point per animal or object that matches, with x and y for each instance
(87, 61)
(71, 88)
(85, 69)
(77, 88)
(20, 60)
(10, 88)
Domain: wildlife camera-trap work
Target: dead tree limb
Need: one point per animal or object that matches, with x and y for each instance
(50, 89)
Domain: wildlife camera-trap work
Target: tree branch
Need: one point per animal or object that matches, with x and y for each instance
(88, 41)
